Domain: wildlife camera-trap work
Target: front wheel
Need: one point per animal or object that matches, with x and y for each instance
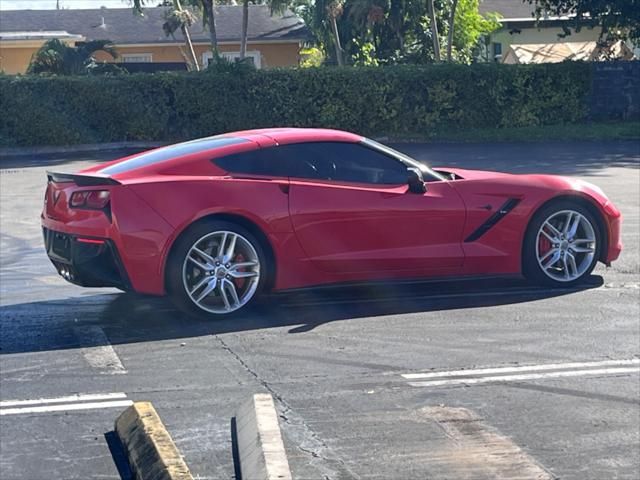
(216, 268)
(562, 245)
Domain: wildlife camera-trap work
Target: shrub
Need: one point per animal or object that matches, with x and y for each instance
(414, 100)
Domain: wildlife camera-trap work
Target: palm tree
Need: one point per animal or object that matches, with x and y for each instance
(209, 20)
(59, 58)
(207, 9)
(334, 10)
(245, 29)
(177, 19)
(452, 21)
(181, 19)
(434, 30)
(276, 7)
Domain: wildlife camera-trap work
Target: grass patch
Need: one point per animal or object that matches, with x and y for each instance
(546, 133)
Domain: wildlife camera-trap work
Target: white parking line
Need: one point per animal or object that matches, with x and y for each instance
(79, 397)
(529, 376)
(66, 408)
(97, 350)
(524, 368)
(66, 403)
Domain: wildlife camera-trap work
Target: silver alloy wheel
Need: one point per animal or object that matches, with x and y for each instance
(565, 245)
(221, 272)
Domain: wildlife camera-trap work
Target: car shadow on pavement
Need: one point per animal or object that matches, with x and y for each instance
(130, 318)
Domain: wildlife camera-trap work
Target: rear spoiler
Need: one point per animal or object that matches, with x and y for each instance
(81, 180)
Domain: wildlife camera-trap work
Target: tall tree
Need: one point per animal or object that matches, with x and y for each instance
(276, 7)
(178, 18)
(208, 9)
(379, 32)
(245, 29)
(468, 27)
(334, 11)
(182, 19)
(618, 19)
(435, 38)
(452, 24)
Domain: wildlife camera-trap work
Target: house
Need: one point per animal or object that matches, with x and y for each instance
(559, 52)
(519, 28)
(273, 41)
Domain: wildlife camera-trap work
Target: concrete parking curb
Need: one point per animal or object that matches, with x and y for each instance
(260, 448)
(151, 452)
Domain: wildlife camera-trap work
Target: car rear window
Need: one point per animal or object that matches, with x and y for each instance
(172, 151)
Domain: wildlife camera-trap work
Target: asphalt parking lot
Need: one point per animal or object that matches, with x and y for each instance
(364, 379)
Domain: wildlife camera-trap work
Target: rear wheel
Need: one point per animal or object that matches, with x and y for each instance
(216, 268)
(562, 245)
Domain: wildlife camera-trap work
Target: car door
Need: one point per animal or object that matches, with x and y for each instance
(352, 211)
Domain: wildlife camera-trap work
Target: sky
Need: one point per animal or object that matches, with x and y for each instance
(51, 4)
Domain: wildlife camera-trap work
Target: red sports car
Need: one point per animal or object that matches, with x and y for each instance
(216, 221)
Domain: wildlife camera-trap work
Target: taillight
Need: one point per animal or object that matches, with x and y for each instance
(90, 199)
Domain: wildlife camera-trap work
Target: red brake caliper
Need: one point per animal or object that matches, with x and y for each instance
(239, 281)
(544, 245)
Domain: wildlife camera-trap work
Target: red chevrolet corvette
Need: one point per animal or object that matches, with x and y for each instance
(215, 222)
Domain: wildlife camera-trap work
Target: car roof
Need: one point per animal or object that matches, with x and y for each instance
(298, 135)
(152, 161)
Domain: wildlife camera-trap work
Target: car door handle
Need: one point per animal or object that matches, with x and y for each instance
(486, 207)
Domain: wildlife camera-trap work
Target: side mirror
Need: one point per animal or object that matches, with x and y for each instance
(415, 180)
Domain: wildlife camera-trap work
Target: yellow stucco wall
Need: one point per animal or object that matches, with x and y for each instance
(16, 60)
(272, 54)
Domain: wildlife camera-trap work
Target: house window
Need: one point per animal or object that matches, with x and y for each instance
(252, 56)
(136, 58)
(496, 50)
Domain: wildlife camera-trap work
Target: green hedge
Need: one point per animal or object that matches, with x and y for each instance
(399, 100)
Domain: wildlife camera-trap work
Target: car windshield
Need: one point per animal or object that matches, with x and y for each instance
(403, 158)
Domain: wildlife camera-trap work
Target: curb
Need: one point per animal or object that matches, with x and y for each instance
(82, 148)
(260, 448)
(151, 452)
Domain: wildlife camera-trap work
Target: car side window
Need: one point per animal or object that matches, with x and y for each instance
(343, 162)
(262, 161)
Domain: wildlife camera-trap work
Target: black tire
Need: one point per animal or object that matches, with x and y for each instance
(532, 270)
(174, 272)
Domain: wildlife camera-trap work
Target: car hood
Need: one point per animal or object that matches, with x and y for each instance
(555, 184)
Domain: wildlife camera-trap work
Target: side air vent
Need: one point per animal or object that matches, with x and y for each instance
(492, 220)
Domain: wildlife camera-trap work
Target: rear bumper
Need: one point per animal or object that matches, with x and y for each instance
(88, 262)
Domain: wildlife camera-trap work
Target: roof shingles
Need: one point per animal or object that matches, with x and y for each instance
(508, 8)
(122, 26)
